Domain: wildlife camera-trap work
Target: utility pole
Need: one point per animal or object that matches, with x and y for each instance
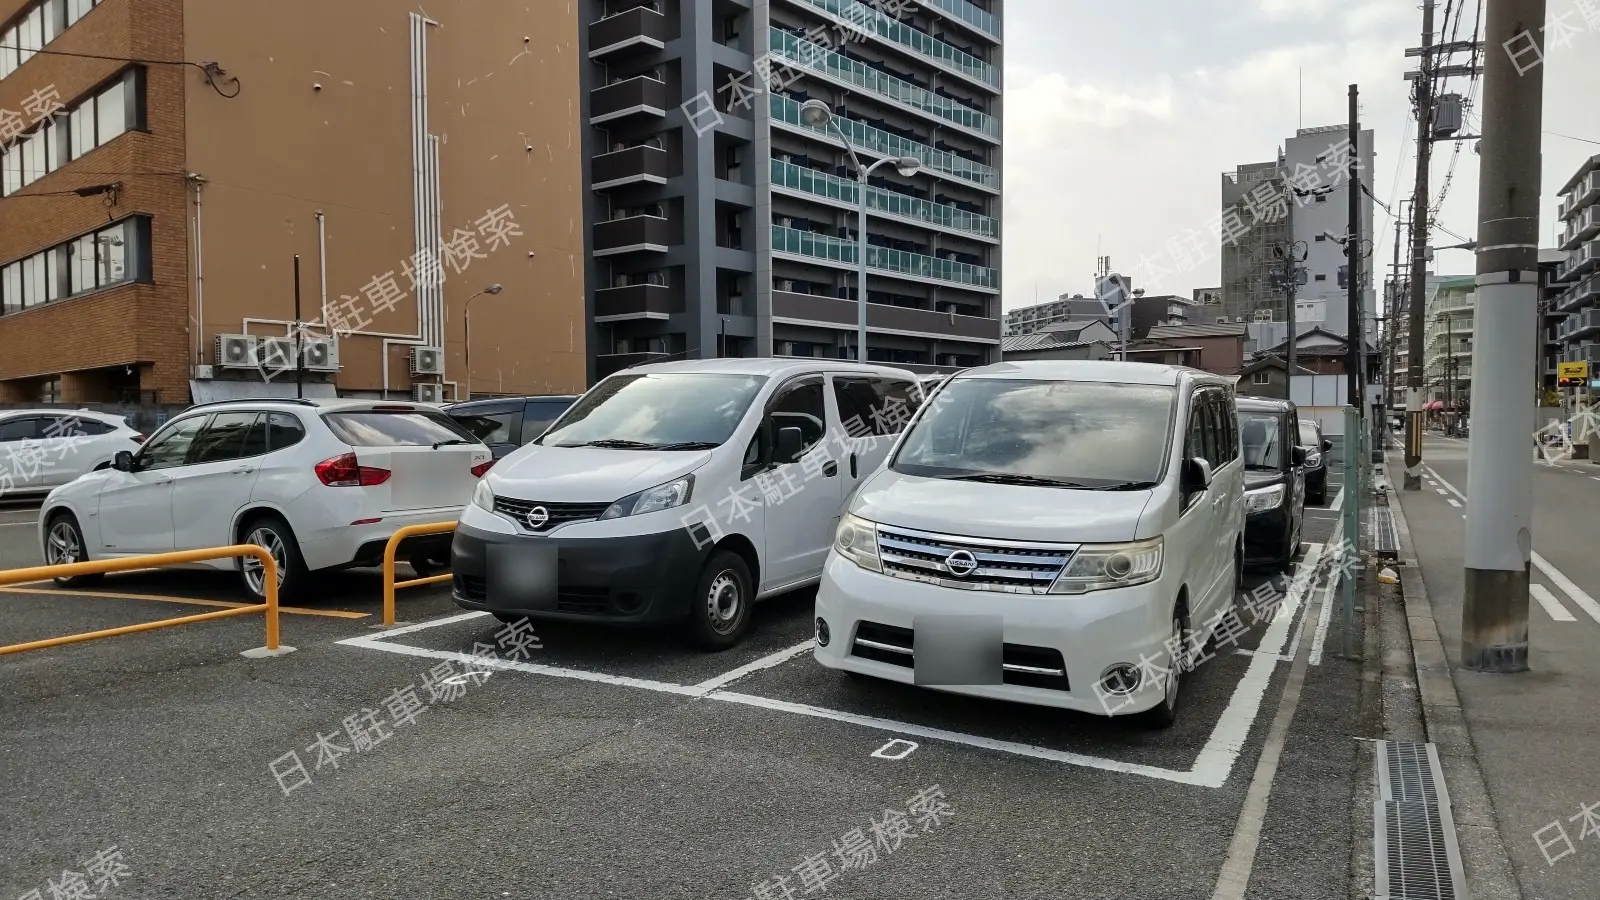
(1288, 279)
(1356, 342)
(1499, 534)
(1419, 264)
(299, 332)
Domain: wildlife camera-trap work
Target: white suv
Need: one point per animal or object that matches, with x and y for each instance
(321, 484)
(44, 448)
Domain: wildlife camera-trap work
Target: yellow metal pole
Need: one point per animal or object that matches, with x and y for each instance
(269, 579)
(132, 629)
(389, 551)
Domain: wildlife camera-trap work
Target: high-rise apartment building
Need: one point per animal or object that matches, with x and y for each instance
(724, 223)
(1577, 275)
(162, 163)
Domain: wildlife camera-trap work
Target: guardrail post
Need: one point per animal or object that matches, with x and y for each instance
(390, 550)
(269, 580)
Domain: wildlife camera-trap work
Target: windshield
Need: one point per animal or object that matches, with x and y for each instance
(653, 411)
(1259, 435)
(1309, 436)
(1070, 433)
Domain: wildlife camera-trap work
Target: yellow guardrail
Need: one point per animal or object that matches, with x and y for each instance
(389, 584)
(97, 567)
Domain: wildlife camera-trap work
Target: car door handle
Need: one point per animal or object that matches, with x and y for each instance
(831, 469)
(852, 465)
(244, 470)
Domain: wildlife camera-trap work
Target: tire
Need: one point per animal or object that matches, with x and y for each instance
(69, 549)
(719, 613)
(424, 566)
(1165, 713)
(1291, 548)
(273, 533)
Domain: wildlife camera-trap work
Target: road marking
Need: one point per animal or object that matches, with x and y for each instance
(882, 752)
(765, 662)
(1577, 594)
(1337, 502)
(1440, 490)
(1211, 767)
(1336, 539)
(1594, 477)
(182, 601)
(1552, 606)
(1452, 501)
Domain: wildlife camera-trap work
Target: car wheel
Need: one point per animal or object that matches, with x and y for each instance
(1164, 713)
(64, 544)
(274, 535)
(719, 613)
(1291, 549)
(425, 566)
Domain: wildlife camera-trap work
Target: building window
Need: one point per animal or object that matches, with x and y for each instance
(1262, 377)
(1322, 198)
(72, 131)
(31, 30)
(1322, 237)
(116, 254)
(1321, 278)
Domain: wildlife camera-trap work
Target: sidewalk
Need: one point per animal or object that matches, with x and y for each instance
(1521, 753)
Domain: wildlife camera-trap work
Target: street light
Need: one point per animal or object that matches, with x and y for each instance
(467, 315)
(817, 114)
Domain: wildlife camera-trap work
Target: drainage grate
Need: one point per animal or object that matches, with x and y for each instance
(1414, 847)
(1385, 538)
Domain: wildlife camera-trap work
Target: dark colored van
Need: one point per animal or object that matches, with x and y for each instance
(1274, 482)
(507, 423)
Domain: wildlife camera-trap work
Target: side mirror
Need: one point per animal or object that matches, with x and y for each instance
(123, 461)
(1196, 475)
(790, 442)
(1327, 446)
(1298, 456)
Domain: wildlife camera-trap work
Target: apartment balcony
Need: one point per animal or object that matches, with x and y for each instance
(1580, 262)
(883, 317)
(1585, 324)
(787, 176)
(1583, 227)
(634, 234)
(1579, 295)
(915, 266)
(912, 40)
(641, 96)
(824, 62)
(637, 30)
(985, 23)
(633, 165)
(637, 301)
(1581, 194)
(1589, 353)
(878, 142)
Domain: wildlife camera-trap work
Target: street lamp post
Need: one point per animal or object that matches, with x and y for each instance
(818, 115)
(467, 316)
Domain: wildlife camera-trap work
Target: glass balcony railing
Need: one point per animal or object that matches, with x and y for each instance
(985, 22)
(942, 54)
(821, 246)
(876, 140)
(889, 203)
(824, 61)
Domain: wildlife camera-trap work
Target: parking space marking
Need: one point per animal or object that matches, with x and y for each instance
(882, 752)
(1552, 606)
(1452, 501)
(765, 662)
(182, 601)
(1211, 767)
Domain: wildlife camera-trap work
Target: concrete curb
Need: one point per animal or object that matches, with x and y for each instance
(1486, 862)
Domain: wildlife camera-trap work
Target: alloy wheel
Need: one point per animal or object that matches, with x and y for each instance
(63, 546)
(268, 540)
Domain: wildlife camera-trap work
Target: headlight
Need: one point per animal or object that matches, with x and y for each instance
(857, 541)
(1314, 458)
(662, 496)
(483, 496)
(1264, 499)
(1096, 567)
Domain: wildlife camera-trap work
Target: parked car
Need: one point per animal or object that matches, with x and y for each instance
(41, 449)
(1275, 482)
(505, 424)
(321, 484)
(1094, 508)
(679, 492)
(1317, 448)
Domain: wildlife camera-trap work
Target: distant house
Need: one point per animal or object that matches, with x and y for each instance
(1322, 352)
(1091, 339)
(1217, 348)
(1268, 377)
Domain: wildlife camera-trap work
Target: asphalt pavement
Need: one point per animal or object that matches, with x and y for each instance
(581, 762)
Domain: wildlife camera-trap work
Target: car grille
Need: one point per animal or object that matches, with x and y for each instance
(558, 513)
(1021, 664)
(1005, 566)
(587, 601)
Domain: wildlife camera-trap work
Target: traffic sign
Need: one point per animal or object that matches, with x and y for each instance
(1572, 374)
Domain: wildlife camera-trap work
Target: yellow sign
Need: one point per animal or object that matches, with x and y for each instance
(1574, 370)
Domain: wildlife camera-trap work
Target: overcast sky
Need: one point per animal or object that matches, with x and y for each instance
(1120, 119)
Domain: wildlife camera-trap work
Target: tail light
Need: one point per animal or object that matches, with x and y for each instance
(345, 471)
(481, 468)
(138, 438)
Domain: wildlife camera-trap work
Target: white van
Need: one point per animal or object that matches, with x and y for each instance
(1091, 511)
(681, 492)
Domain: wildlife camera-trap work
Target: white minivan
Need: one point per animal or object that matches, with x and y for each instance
(679, 492)
(1086, 519)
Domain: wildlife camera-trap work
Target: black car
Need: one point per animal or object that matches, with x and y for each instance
(1274, 482)
(507, 423)
(1317, 448)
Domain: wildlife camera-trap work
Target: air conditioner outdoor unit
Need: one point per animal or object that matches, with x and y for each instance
(786, 221)
(427, 393)
(319, 354)
(785, 284)
(786, 348)
(236, 351)
(427, 361)
(275, 353)
(202, 373)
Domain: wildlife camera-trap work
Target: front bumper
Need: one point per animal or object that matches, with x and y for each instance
(1317, 480)
(1266, 535)
(1083, 635)
(635, 578)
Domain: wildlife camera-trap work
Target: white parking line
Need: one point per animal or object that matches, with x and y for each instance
(1211, 767)
(1552, 606)
(1452, 501)
(1577, 594)
(1338, 502)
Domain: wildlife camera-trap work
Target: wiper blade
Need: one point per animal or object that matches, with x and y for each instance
(1025, 480)
(688, 445)
(618, 444)
(446, 443)
(1128, 486)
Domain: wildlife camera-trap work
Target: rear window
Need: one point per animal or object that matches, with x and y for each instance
(383, 428)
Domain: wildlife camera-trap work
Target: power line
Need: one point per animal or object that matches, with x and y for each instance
(212, 71)
(1573, 138)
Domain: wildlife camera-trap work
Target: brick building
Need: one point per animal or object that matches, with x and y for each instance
(162, 162)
